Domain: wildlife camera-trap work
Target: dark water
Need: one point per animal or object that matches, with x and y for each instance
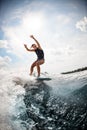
(48, 111)
(57, 104)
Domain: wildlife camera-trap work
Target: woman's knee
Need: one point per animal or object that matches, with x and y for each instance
(33, 65)
(37, 64)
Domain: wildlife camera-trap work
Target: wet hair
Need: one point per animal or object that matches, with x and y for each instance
(32, 45)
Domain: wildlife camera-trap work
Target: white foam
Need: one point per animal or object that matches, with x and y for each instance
(12, 91)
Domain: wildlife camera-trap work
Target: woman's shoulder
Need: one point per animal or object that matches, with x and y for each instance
(39, 48)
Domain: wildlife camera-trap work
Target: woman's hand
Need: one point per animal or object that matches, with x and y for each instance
(31, 36)
(25, 45)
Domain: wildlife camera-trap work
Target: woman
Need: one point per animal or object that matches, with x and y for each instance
(40, 55)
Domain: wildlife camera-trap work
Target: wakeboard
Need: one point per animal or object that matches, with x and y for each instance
(41, 79)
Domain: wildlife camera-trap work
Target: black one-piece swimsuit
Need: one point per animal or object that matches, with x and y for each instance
(39, 53)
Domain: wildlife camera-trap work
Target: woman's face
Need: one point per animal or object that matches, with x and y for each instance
(34, 46)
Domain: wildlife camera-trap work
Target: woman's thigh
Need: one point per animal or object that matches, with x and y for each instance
(34, 63)
(40, 62)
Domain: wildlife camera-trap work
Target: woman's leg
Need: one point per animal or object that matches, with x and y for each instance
(38, 63)
(32, 67)
(38, 70)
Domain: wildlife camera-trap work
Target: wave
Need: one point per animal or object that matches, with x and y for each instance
(26, 103)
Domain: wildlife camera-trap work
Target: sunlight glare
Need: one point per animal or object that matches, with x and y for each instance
(33, 22)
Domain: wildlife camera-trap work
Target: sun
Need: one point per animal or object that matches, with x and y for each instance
(33, 22)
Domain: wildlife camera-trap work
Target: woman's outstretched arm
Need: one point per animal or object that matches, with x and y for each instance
(38, 44)
(28, 48)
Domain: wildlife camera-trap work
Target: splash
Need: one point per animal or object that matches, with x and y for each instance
(56, 104)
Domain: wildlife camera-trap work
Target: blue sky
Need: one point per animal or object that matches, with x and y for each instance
(59, 25)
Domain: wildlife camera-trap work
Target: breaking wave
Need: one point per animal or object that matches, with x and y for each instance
(28, 104)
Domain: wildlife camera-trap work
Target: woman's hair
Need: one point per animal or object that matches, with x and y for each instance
(33, 45)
